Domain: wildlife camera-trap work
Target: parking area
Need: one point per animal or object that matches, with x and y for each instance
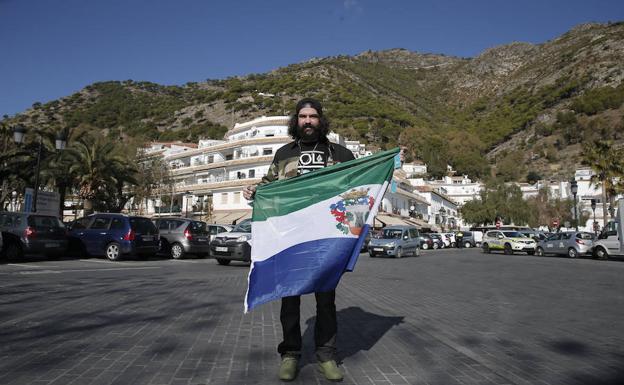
(450, 316)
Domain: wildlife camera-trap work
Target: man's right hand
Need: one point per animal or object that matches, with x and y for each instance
(249, 192)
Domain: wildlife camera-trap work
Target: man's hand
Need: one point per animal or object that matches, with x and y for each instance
(249, 192)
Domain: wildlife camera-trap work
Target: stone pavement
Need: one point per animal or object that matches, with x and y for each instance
(447, 317)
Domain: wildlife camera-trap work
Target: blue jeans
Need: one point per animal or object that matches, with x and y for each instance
(325, 327)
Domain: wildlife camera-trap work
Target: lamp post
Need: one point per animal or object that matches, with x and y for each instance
(593, 207)
(574, 190)
(18, 136)
(187, 195)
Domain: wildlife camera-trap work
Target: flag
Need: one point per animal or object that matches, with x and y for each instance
(308, 230)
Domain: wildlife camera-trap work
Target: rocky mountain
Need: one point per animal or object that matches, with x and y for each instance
(514, 109)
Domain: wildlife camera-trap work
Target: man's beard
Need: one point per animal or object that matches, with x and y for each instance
(311, 137)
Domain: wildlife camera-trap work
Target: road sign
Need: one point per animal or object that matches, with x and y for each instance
(555, 223)
(498, 224)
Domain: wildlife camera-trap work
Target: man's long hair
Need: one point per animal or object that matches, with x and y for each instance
(293, 123)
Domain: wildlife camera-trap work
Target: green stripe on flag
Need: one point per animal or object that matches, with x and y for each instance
(289, 195)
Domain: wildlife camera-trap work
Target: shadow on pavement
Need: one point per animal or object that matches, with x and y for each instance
(357, 330)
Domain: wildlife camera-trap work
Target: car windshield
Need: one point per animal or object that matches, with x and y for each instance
(436, 236)
(585, 236)
(41, 222)
(513, 234)
(243, 227)
(391, 234)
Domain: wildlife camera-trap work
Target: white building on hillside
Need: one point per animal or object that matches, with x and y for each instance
(442, 213)
(459, 189)
(208, 178)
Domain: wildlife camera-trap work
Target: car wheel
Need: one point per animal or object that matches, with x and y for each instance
(13, 251)
(467, 245)
(417, 252)
(600, 253)
(223, 261)
(539, 252)
(112, 251)
(486, 248)
(453, 244)
(572, 253)
(530, 252)
(508, 250)
(425, 246)
(177, 251)
(399, 253)
(435, 246)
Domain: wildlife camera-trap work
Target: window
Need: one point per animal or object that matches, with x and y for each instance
(117, 224)
(100, 223)
(237, 196)
(267, 151)
(413, 233)
(81, 223)
(252, 173)
(163, 225)
(229, 157)
(566, 236)
(210, 158)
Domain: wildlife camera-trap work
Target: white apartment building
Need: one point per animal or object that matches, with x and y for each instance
(459, 189)
(209, 177)
(442, 211)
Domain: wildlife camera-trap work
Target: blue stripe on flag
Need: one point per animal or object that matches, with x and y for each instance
(308, 267)
(358, 246)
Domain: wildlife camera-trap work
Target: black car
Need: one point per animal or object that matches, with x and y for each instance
(181, 236)
(233, 245)
(31, 233)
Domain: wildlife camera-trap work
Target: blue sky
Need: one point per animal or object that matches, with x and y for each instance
(53, 48)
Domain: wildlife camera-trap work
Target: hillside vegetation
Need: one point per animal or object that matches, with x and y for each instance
(514, 110)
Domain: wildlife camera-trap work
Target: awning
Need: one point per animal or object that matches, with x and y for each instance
(228, 217)
(387, 220)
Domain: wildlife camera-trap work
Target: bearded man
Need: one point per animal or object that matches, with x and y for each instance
(310, 150)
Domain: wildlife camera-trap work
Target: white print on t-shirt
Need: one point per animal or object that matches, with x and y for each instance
(311, 160)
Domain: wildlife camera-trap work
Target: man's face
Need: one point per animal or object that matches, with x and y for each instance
(308, 122)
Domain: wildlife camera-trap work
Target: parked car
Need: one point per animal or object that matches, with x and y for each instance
(233, 245)
(113, 236)
(438, 240)
(366, 242)
(182, 236)
(536, 235)
(426, 242)
(449, 239)
(570, 243)
(396, 241)
(468, 239)
(31, 233)
(509, 241)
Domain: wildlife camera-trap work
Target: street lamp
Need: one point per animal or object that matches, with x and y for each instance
(574, 190)
(18, 136)
(593, 207)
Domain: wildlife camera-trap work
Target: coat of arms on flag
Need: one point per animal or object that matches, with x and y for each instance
(308, 230)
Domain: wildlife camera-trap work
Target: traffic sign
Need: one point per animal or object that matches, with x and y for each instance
(555, 223)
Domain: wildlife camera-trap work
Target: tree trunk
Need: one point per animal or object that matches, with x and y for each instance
(87, 207)
(604, 205)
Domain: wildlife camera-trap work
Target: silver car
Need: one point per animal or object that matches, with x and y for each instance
(395, 241)
(570, 243)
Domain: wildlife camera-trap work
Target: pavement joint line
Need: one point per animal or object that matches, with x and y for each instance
(107, 261)
(28, 265)
(83, 270)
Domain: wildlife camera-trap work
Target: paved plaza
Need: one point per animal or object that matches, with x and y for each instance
(447, 317)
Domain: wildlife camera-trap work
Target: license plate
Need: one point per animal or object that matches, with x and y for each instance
(51, 244)
(377, 249)
(201, 239)
(221, 248)
(147, 238)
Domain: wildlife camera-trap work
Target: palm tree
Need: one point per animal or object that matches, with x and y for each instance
(101, 172)
(608, 164)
